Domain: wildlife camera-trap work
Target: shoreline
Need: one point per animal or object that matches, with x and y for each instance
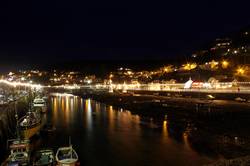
(166, 103)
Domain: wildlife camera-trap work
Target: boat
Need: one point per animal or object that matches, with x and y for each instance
(44, 157)
(19, 149)
(30, 124)
(240, 99)
(40, 104)
(45, 98)
(19, 153)
(66, 156)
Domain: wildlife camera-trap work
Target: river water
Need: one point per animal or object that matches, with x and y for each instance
(103, 135)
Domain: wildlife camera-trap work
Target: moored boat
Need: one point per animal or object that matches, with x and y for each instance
(30, 124)
(19, 149)
(19, 153)
(66, 156)
(40, 104)
(44, 158)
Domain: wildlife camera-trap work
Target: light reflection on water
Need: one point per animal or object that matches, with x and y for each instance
(88, 109)
(104, 135)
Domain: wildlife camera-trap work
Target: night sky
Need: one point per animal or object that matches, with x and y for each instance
(63, 30)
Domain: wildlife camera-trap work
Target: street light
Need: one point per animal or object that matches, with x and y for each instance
(240, 70)
(190, 66)
(213, 64)
(225, 64)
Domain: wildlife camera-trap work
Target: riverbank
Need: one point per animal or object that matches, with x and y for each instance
(148, 103)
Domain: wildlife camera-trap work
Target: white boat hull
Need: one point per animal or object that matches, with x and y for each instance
(67, 162)
(42, 108)
(66, 156)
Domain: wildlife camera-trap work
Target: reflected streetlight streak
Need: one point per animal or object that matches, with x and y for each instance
(165, 132)
(88, 109)
(55, 108)
(67, 110)
(111, 118)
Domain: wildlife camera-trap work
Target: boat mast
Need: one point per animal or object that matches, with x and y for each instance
(71, 150)
(16, 116)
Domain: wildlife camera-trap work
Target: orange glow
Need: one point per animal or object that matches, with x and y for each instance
(213, 64)
(240, 71)
(189, 66)
(224, 64)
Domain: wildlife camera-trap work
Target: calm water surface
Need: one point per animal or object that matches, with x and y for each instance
(103, 135)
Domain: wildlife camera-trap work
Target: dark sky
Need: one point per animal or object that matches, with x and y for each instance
(80, 30)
